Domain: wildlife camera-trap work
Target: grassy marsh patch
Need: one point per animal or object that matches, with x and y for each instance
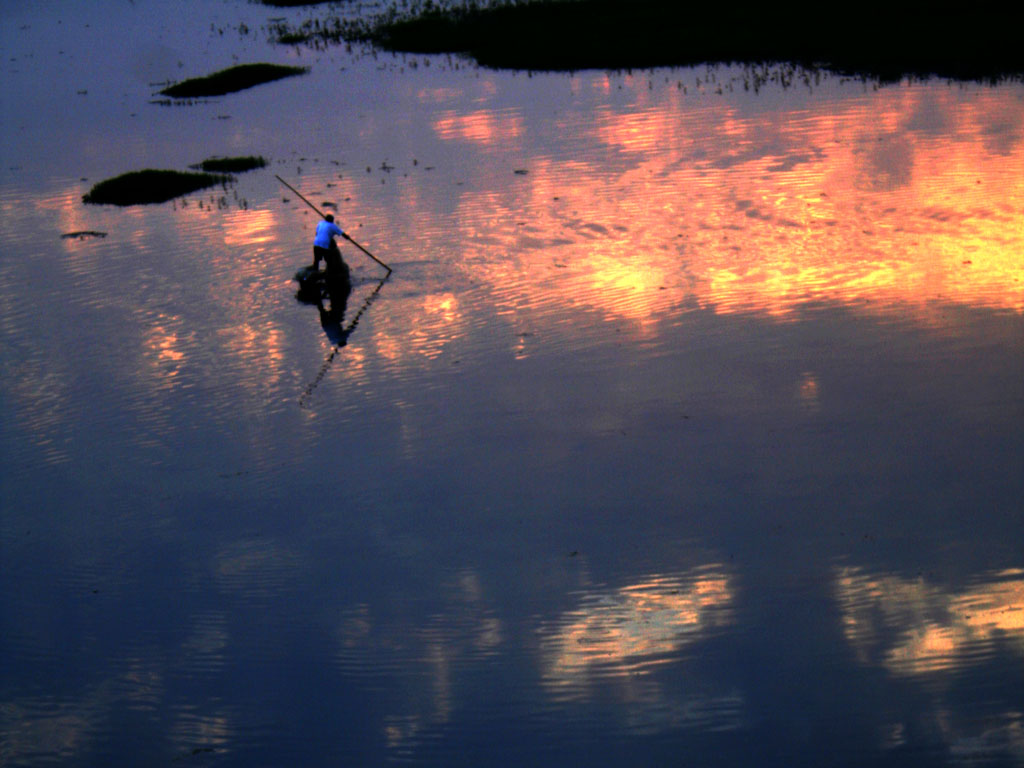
(231, 164)
(150, 186)
(316, 32)
(231, 80)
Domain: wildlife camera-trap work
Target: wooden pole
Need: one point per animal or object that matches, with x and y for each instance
(357, 245)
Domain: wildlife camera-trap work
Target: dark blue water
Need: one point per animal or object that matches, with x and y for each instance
(686, 431)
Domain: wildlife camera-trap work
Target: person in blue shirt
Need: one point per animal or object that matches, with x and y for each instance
(325, 248)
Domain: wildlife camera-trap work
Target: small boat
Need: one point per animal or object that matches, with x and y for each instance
(315, 284)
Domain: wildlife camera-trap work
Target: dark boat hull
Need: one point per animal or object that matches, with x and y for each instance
(316, 284)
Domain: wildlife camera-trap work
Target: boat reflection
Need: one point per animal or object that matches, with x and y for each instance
(331, 299)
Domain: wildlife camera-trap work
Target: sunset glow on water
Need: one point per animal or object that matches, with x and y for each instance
(687, 423)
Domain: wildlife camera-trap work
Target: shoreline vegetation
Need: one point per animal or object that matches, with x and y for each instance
(230, 80)
(884, 41)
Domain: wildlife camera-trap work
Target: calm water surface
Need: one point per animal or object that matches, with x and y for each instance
(687, 430)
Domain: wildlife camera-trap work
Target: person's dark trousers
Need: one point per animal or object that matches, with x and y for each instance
(322, 253)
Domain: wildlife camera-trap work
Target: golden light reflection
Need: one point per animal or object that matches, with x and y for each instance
(485, 127)
(428, 325)
(630, 630)
(890, 200)
(914, 628)
(248, 228)
(808, 392)
(165, 345)
(260, 346)
(908, 199)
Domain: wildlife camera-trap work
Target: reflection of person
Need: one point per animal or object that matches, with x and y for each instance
(332, 320)
(325, 248)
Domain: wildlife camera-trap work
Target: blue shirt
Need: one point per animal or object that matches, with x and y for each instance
(325, 232)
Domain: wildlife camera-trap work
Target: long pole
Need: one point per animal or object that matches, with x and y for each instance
(357, 245)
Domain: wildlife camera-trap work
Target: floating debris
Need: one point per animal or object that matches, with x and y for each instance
(150, 186)
(231, 80)
(82, 235)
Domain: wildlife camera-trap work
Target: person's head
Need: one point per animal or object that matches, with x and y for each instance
(329, 217)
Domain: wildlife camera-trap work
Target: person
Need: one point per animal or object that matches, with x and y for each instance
(325, 248)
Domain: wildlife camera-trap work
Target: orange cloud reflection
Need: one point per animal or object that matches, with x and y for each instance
(616, 639)
(913, 628)
(906, 200)
(634, 628)
(484, 127)
(901, 198)
(249, 228)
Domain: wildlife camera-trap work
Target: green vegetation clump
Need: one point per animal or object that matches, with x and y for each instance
(150, 186)
(232, 164)
(231, 80)
(872, 38)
